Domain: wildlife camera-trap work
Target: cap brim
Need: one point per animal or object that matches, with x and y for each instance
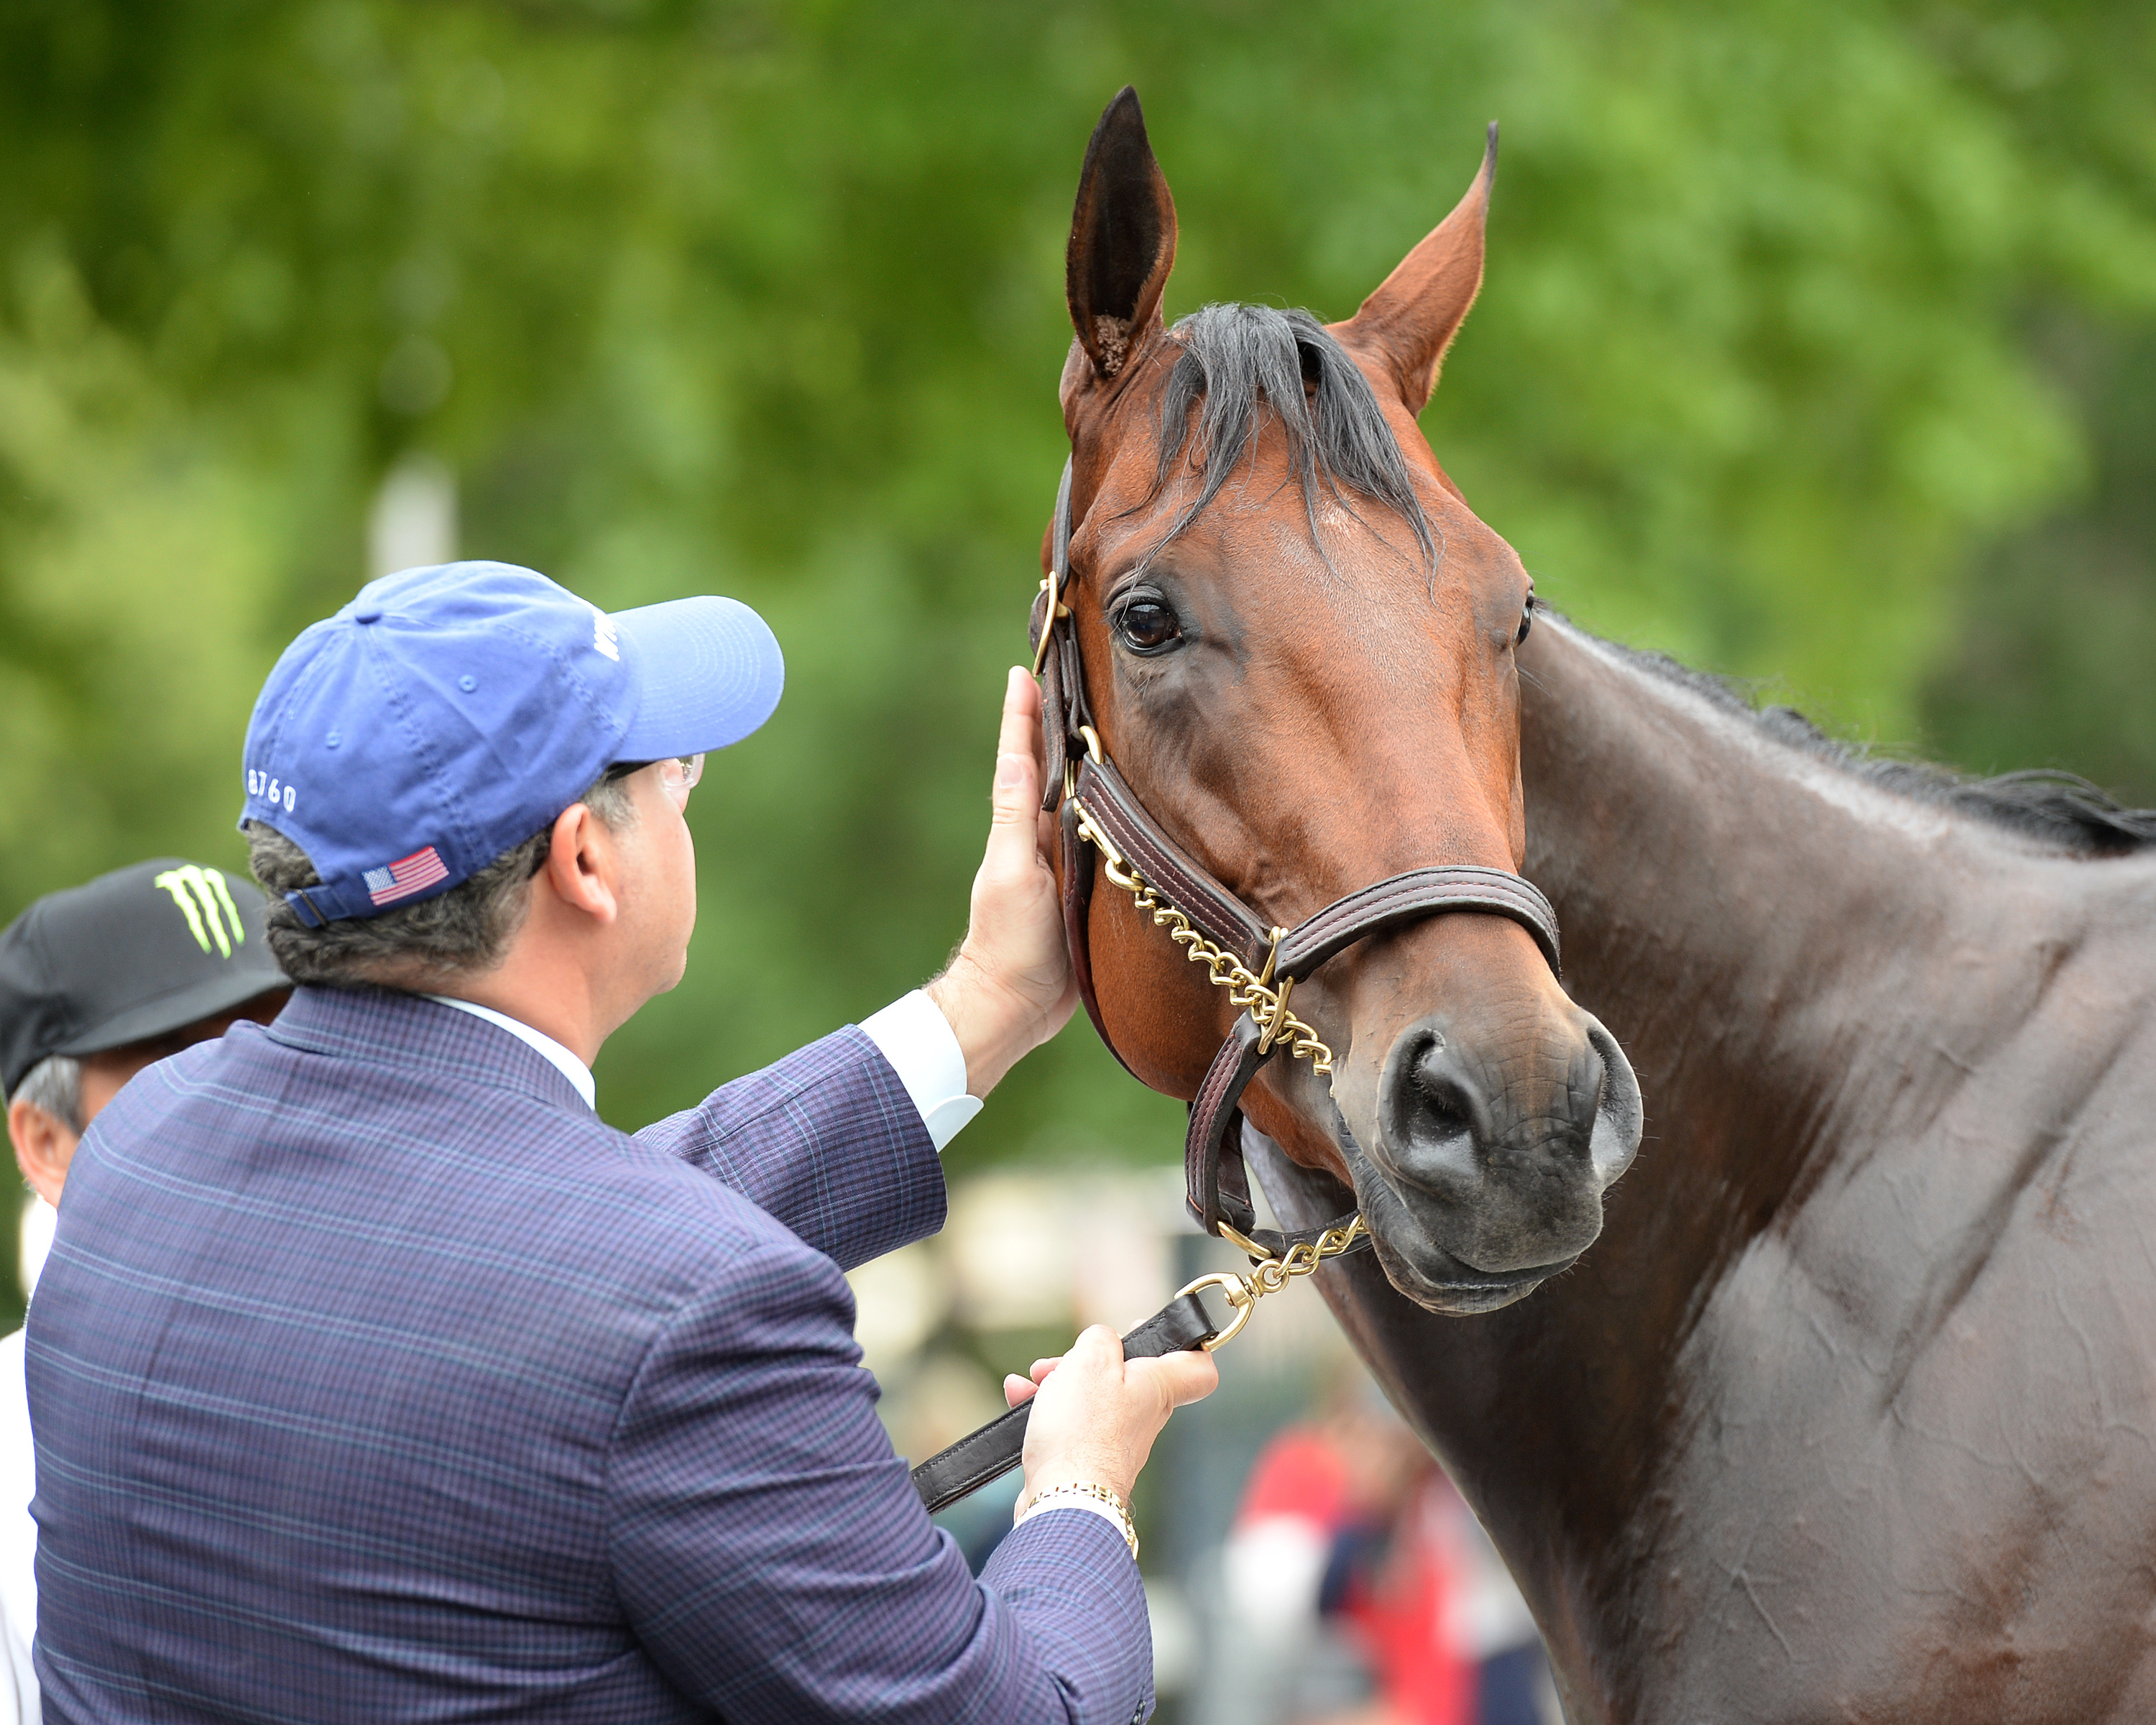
(208, 999)
(709, 673)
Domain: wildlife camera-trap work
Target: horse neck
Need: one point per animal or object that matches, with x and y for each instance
(1754, 921)
(1735, 912)
(1808, 972)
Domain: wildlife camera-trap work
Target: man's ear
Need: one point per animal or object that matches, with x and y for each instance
(1410, 322)
(580, 864)
(1122, 239)
(44, 1146)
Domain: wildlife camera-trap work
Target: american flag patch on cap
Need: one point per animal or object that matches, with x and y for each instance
(412, 874)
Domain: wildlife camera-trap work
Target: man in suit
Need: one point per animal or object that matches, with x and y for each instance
(374, 1378)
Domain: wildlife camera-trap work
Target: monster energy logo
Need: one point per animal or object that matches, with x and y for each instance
(200, 894)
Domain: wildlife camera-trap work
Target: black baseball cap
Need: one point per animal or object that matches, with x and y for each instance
(139, 952)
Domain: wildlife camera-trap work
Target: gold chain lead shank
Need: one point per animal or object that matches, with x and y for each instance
(1243, 1292)
(1267, 1005)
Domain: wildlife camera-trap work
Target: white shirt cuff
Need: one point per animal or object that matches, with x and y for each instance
(918, 1042)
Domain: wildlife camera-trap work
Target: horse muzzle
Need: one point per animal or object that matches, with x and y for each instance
(1485, 1174)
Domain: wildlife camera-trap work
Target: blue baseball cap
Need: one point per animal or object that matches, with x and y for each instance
(448, 714)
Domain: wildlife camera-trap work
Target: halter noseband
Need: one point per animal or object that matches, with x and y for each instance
(1258, 963)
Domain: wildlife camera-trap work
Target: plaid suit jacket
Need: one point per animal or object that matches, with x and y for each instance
(373, 1378)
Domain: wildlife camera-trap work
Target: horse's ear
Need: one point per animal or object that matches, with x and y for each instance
(1417, 311)
(1122, 239)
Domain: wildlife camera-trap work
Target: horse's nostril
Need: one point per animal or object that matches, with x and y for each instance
(1434, 1116)
(1441, 1116)
(1439, 1106)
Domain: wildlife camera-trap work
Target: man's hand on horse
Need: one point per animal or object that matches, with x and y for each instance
(1009, 987)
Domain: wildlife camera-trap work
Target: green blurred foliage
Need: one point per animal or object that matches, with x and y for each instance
(2054, 663)
(766, 300)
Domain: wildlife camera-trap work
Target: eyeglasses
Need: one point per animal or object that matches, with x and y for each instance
(677, 774)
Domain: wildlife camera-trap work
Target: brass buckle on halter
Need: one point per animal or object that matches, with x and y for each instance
(1055, 609)
(1243, 1242)
(1274, 1021)
(1070, 768)
(1117, 865)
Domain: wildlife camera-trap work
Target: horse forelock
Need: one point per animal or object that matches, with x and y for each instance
(1231, 366)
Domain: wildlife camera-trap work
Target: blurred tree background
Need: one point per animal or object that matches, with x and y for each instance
(1817, 346)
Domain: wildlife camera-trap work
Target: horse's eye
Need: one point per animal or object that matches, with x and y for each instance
(1147, 626)
(1526, 620)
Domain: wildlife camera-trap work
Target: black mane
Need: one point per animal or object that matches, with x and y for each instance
(2059, 809)
(1240, 361)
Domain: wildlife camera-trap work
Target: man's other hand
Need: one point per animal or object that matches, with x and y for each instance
(1009, 987)
(1096, 1414)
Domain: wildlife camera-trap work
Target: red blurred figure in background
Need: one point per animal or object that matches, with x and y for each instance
(1360, 1581)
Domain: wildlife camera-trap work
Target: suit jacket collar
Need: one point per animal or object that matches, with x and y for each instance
(386, 1027)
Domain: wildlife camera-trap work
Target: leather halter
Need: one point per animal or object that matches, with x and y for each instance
(1094, 804)
(1259, 964)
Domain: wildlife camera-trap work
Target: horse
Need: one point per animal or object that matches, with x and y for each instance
(1348, 725)
(1847, 1413)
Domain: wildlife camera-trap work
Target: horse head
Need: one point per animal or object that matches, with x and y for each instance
(1297, 647)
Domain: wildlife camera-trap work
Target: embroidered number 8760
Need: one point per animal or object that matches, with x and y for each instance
(272, 791)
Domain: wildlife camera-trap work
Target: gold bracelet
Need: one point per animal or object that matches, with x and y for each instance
(1099, 1494)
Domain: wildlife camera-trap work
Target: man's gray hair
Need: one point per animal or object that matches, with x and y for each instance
(464, 930)
(54, 1084)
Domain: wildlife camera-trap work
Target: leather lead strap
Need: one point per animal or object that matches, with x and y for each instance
(997, 1447)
